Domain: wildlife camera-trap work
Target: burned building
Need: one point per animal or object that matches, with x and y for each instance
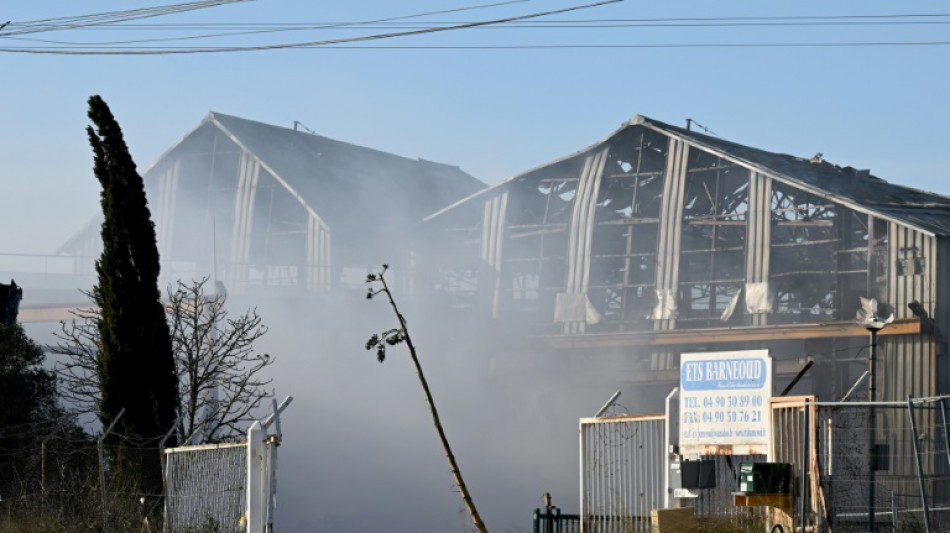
(659, 240)
(267, 206)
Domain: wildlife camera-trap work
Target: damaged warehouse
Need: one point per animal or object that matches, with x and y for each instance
(268, 206)
(659, 241)
(665, 238)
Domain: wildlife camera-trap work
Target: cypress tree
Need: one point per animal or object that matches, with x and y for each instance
(136, 367)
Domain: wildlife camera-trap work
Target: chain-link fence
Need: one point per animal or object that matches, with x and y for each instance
(62, 479)
(48, 477)
(205, 487)
(57, 478)
(884, 465)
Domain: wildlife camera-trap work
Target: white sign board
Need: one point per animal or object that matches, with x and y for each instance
(724, 402)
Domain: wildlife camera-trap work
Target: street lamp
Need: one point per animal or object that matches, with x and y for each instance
(868, 319)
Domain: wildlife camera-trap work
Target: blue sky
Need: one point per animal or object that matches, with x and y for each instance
(493, 112)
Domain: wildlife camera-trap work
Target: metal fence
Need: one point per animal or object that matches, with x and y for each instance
(622, 472)
(858, 466)
(549, 519)
(205, 487)
(884, 465)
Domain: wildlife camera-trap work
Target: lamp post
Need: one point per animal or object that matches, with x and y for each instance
(869, 320)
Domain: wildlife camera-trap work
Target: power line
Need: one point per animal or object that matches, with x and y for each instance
(111, 17)
(169, 51)
(93, 50)
(369, 24)
(395, 20)
(405, 29)
(657, 45)
(114, 19)
(544, 25)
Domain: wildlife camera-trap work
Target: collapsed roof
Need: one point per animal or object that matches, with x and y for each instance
(857, 189)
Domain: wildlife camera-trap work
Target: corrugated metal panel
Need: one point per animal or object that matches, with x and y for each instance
(165, 215)
(581, 231)
(493, 238)
(759, 234)
(319, 265)
(907, 362)
(248, 176)
(671, 223)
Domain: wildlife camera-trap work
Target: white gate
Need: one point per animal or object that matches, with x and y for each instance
(207, 487)
(623, 462)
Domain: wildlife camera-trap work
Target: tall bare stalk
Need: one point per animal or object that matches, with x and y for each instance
(399, 335)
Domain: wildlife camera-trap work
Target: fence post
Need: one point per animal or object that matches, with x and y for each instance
(804, 478)
(920, 466)
(102, 469)
(894, 522)
(254, 511)
(667, 442)
(270, 461)
(43, 475)
(946, 433)
(161, 457)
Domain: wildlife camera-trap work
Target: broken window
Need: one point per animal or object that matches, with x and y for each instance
(712, 246)
(819, 257)
(454, 251)
(535, 249)
(626, 218)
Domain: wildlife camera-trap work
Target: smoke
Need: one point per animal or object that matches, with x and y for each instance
(360, 452)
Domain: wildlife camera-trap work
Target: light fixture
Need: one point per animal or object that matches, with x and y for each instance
(868, 319)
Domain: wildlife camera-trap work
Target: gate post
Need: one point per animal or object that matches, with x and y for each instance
(254, 511)
(920, 466)
(805, 465)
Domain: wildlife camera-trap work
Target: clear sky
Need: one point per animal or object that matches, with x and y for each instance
(494, 112)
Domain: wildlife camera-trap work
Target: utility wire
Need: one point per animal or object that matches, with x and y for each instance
(93, 50)
(170, 51)
(399, 23)
(369, 24)
(111, 17)
(395, 20)
(366, 26)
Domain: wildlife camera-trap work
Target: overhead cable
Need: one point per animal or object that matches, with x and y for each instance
(94, 50)
(109, 17)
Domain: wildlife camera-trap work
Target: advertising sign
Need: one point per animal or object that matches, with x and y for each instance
(724, 402)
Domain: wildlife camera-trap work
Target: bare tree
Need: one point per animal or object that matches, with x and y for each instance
(219, 372)
(78, 374)
(399, 335)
